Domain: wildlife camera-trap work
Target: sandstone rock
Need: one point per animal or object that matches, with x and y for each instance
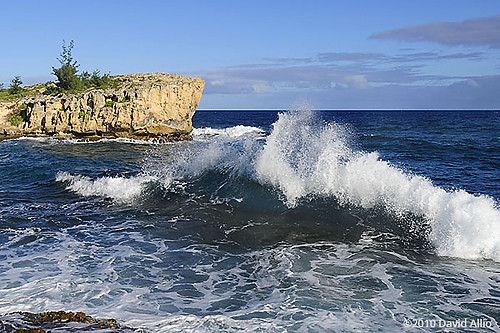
(58, 321)
(142, 105)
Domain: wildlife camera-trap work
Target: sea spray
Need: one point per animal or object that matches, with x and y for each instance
(305, 157)
(299, 149)
(120, 189)
(186, 257)
(232, 132)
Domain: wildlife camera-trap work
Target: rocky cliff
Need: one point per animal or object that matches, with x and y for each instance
(139, 106)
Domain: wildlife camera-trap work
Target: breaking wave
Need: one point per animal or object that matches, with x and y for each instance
(301, 159)
(120, 189)
(232, 132)
(305, 159)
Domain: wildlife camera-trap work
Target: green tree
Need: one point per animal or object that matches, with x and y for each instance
(67, 74)
(95, 79)
(15, 85)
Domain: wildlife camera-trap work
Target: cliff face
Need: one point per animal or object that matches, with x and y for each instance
(141, 105)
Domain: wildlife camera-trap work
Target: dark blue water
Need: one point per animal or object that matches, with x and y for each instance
(293, 222)
(454, 148)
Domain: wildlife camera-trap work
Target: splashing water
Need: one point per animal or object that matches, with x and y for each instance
(118, 188)
(301, 159)
(304, 157)
(263, 222)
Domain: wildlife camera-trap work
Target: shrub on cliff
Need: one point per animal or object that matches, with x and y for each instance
(95, 79)
(15, 86)
(66, 74)
(69, 79)
(15, 120)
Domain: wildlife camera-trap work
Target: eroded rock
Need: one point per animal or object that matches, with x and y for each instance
(58, 321)
(141, 105)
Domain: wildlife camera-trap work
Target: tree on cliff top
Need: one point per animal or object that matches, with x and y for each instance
(15, 86)
(66, 74)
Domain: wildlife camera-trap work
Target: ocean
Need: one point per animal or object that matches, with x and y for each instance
(267, 221)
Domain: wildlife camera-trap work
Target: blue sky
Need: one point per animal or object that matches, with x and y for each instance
(413, 54)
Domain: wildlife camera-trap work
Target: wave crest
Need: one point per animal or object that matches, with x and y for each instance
(302, 158)
(306, 158)
(120, 189)
(231, 132)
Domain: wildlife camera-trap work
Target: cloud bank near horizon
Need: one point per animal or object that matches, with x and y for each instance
(483, 31)
(452, 76)
(353, 80)
(331, 70)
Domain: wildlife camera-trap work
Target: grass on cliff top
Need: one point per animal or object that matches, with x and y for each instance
(6, 96)
(68, 80)
(50, 88)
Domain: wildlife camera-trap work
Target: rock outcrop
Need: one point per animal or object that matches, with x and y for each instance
(139, 106)
(60, 321)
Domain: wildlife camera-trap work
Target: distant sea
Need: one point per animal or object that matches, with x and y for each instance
(267, 221)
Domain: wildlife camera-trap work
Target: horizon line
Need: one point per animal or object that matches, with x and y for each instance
(347, 109)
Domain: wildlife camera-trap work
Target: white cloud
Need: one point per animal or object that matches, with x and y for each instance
(473, 83)
(357, 81)
(217, 82)
(478, 31)
(259, 87)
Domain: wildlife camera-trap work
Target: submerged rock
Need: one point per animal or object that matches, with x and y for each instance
(60, 321)
(139, 106)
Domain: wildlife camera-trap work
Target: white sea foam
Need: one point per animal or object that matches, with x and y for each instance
(305, 157)
(67, 140)
(119, 271)
(120, 189)
(125, 140)
(48, 139)
(232, 132)
(302, 158)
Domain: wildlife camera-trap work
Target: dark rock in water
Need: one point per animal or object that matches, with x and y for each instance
(58, 321)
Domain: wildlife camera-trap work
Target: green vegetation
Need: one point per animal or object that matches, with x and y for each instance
(51, 90)
(25, 92)
(69, 79)
(4, 95)
(95, 79)
(125, 99)
(15, 91)
(66, 74)
(15, 120)
(15, 86)
(82, 114)
(110, 102)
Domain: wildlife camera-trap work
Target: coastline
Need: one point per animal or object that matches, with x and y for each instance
(190, 236)
(144, 105)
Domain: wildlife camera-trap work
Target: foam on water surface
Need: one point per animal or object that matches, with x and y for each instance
(120, 189)
(230, 233)
(304, 157)
(67, 140)
(168, 285)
